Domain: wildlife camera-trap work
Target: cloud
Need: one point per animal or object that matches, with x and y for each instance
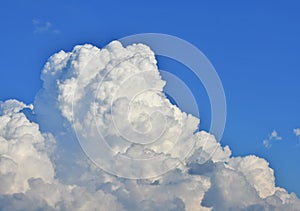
(21, 144)
(43, 27)
(42, 164)
(297, 132)
(273, 137)
(27, 170)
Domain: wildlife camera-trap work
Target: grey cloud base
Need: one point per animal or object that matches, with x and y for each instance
(42, 166)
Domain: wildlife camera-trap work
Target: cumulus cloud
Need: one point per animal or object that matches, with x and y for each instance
(273, 137)
(297, 132)
(27, 173)
(115, 94)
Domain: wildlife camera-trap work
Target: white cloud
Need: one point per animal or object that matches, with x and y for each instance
(27, 173)
(273, 137)
(32, 174)
(43, 27)
(297, 132)
(21, 144)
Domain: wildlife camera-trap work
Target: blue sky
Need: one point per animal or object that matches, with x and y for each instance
(254, 47)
